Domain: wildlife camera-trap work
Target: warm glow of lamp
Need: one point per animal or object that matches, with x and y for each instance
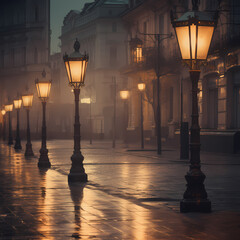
(86, 100)
(76, 66)
(27, 100)
(141, 86)
(124, 94)
(3, 112)
(9, 108)
(194, 31)
(136, 45)
(43, 89)
(17, 103)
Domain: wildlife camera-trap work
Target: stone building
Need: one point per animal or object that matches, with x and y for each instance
(24, 48)
(219, 81)
(101, 33)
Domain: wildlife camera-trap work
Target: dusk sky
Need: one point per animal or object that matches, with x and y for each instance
(59, 9)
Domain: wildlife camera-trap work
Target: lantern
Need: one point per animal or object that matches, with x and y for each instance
(27, 100)
(136, 46)
(17, 103)
(3, 112)
(141, 86)
(124, 94)
(76, 66)
(9, 108)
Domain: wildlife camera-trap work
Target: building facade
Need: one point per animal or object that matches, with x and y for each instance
(219, 81)
(101, 33)
(24, 48)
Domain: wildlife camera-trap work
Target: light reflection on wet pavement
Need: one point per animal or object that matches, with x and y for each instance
(130, 195)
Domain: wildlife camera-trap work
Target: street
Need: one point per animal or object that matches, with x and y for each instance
(130, 194)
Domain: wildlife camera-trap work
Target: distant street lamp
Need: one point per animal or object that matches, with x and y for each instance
(17, 105)
(76, 65)
(27, 104)
(43, 90)
(89, 101)
(124, 95)
(9, 108)
(194, 31)
(3, 112)
(141, 88)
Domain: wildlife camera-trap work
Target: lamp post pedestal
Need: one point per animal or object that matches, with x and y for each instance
(29, 151)
(10, 138)
(43, 161)
(77, 171)
(18, 145)
(195, 197)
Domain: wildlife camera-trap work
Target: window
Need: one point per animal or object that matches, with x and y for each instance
(114, 27)
(161, 24)
(35, 56)
(36, 14)
(11, 57)
(113, 56)
(145, 31)
(2, 59)
(24, 56)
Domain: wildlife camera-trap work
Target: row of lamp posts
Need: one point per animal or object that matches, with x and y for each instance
(194, 31)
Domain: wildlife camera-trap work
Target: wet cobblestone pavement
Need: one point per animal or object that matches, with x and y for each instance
(130, 195)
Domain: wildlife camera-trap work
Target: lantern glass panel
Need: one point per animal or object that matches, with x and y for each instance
(141, 86)
(205, 34)
(3, 111)
(9, 108)
(76, 71)
(137, 52)
(27, 100)
(17, 103)
(124, 94)
(183, 41)
(43, 89)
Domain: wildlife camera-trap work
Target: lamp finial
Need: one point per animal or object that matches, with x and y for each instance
(195, 5)
(76, 45)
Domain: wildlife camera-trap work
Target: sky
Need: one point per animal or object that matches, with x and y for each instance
(59, 9)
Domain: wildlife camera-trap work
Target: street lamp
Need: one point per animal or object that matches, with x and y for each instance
(124, 95)
(136, 46)
(141, 88)
(9, 108)
(76, 65)
(3, 112)
(89, 101)
(43, 90)
(194, 31)
(17, 105)
(27, 104)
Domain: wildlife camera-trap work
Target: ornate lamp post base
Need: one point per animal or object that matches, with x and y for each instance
(18, 146)
(77, 171)
(195, 196)
(43, 161)
(29, 151)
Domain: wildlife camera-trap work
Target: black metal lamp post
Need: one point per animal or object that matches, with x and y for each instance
(43, 89)
(17, 105)
(194, 31)
(76, 65)
(27, 104)
(9, 109)
(141, 88)
(124, 95)
(3, 112)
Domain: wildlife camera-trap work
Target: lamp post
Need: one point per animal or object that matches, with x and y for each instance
(17, 105)
(3, 112)
(124, 95)
(89, 101)
(141, 88)
(27, 104)
(76, 65)
(43, 90)
(9, 108)
(194, 31)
